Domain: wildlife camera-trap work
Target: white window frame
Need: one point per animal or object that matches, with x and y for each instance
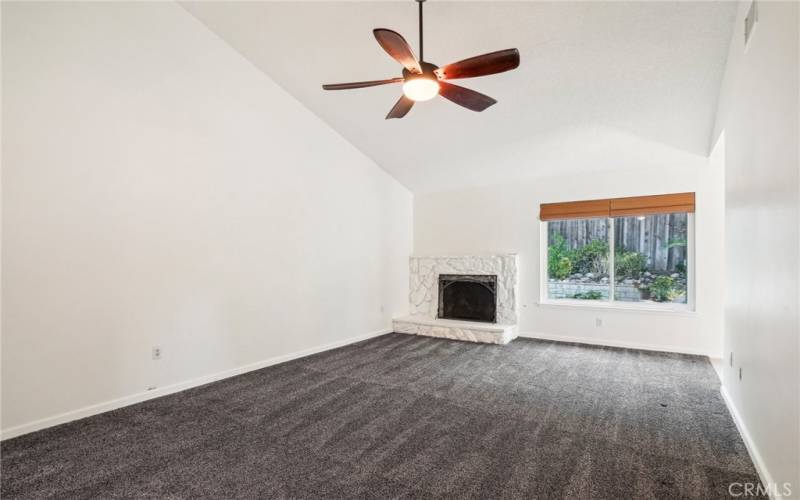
(672, 308)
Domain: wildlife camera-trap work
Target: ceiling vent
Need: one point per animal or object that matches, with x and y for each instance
(750, 21)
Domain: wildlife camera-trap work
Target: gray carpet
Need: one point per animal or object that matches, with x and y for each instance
(401, 416)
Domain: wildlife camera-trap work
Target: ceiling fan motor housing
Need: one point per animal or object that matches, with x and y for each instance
(427, 71)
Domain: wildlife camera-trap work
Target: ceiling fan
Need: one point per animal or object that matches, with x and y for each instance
(423, 80)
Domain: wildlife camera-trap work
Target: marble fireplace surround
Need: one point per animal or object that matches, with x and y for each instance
(424, 298)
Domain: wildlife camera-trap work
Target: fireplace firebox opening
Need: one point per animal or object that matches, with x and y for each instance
(470, 297)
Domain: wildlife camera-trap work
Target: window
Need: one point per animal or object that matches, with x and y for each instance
(629, 251)
(578, 259)
(651, 258)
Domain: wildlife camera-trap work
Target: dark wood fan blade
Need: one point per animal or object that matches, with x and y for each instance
(465, 97)
(400, 108)
(486, 64)
(397, 47)
(360, 85)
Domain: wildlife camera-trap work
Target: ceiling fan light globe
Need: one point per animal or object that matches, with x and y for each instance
(421, 89)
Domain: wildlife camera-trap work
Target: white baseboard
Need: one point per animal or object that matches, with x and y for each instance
(88, 411)
(613, 343)
(752, 449)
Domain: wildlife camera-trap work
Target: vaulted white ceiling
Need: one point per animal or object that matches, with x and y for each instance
(601, 85)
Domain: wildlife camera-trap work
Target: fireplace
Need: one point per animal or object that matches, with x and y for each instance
(470, 297)
(479, 290)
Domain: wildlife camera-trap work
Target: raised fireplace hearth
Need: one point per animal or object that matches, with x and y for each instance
(469, 297)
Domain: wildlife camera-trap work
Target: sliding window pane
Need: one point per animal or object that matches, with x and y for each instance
(577, 259)
(651, 258)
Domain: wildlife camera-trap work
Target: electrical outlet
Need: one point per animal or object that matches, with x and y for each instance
(731, 359)
(740, 373)
(156, 353)
(598, 322)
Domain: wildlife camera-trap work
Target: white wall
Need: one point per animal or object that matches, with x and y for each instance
(160, 190)
(758, 113)
(504, 218)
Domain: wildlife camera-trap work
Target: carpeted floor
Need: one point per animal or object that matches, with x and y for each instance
(405, 416)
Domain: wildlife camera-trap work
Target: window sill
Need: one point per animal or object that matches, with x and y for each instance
(677, 309)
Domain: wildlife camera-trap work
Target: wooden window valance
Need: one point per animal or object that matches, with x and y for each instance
(618, 207)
